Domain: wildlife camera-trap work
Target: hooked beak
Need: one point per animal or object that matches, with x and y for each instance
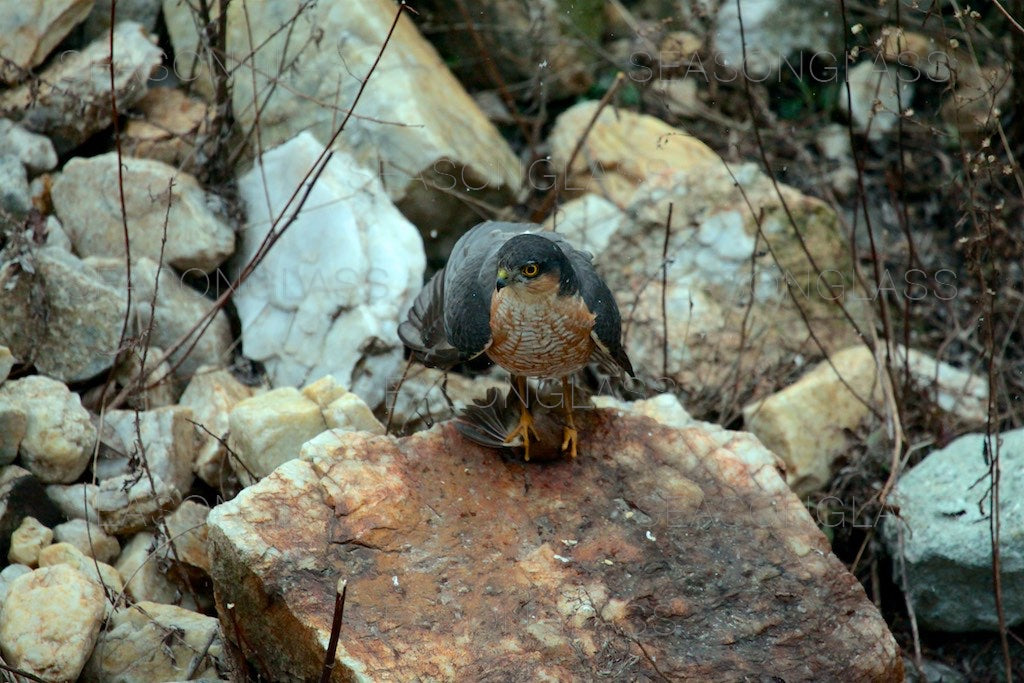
(502, 279)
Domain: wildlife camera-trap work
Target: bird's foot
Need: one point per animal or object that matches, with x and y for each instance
(569, 438)
(523, 429)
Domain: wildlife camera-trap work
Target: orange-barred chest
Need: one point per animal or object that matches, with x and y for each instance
(540, 336)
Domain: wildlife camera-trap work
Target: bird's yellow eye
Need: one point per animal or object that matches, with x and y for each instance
(530, 270)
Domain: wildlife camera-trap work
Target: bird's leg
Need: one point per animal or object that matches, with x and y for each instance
(569, 432)
(525, 425)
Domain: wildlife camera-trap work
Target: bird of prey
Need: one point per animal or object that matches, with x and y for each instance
(530, 301)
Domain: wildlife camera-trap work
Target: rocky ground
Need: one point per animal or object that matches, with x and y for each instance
(209, 235)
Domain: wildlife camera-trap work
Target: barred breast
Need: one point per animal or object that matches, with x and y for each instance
(540, 336)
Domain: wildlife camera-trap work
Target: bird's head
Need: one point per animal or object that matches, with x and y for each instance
(533, 264)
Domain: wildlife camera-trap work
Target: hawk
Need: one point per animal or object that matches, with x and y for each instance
(527, 299)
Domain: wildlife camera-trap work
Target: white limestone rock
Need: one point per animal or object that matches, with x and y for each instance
(59, 436)
(156, 195)
(328, 297)
(89, 538)
(75, 501)
(168, 445)
(50, 622)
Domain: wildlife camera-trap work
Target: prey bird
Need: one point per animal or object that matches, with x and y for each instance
(531, 302)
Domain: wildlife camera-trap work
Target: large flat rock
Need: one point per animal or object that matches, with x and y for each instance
(658, 554)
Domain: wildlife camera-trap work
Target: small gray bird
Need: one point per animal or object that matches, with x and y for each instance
(529, 300)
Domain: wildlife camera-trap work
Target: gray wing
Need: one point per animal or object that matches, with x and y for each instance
(450, 320)
(607, 322)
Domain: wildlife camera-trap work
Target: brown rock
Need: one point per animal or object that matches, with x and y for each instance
(657, 554)
(172, 129)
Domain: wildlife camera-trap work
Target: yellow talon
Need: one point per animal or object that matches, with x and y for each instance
(569, 440)
(523, 429)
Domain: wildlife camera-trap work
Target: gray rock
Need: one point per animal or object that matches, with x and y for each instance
(158, 198)
(71, 100)
(59, 316)
(35, 151)
(178, 309)
(14, 193)
(947, 549)
(75, 501)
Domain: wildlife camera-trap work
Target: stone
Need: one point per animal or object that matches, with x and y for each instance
(663, 408)
(89, 538)
(9, 574)
(144, 574)
(142, 12)
(75, 501)
(158, 198)
(442, 148)
(105, 576)
(27, 540)
(879, 94)
(268, 429)
(167, 445)
(6, 363)
(58, 436)
(15, 197)
(50, 622)
(22, 496)
(341, 409)
(725, 307)
(927, 55)
(152, 386)
(498, 567)
(588, 222)
(979, 94)
(128, 503)
(56, 238)
(211, 394)
(777, 34)
(428, 396)
(32, 30)
(59, 316)
(546, 45)
(187, 529)
(171, 127)
(308, 311)
(153, 642)
(621, 151)
(34, 151)
(811, 423)
(940, 542)
(13, 426)
(71, 99)
(179, 308)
